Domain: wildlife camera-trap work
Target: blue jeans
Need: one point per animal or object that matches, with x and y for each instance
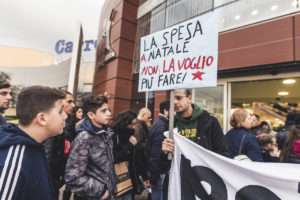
(127, 196)
(157, 191)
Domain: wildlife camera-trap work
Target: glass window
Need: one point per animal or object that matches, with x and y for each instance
(270, 99)
(211, 100)
(180, 10)
(158, 18)
(244, 12)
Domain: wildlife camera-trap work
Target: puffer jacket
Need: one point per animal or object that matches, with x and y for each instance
(90, 167)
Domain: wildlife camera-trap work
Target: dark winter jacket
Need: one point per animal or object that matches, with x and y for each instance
(90, 167)
(2, 120)
(141, 132)
(23, 166)
(124, 151)
(281, 135)
(156, 159)
(250, 145)
(54, 148)
(70, 130)
(209, 133)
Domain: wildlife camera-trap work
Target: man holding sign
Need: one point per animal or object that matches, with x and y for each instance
(197, 125)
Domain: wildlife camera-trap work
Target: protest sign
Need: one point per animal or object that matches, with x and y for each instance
(182, 56)
(197, 173)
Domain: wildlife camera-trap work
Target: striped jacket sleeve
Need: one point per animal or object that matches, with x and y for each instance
(11, 176)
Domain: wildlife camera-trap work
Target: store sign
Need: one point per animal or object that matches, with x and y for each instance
(64, 46)
(182, 56)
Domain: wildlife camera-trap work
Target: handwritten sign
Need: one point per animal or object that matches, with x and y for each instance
(182, 56)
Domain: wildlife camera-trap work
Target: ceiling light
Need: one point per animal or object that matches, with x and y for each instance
(274, 7)
(283, 93)
(288, 81)
(237, 17)
(254, 12)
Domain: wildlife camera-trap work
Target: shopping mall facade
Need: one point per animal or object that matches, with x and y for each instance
(258, 51)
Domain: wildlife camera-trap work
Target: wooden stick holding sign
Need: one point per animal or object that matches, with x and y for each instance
(171, 120)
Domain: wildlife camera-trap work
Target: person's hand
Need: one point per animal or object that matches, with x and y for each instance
(152, 186)
(105, 195)
(146, 184)
(132, 140)
(275, 152)
(168, 145)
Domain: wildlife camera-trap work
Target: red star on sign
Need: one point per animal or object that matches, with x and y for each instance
(198, 75)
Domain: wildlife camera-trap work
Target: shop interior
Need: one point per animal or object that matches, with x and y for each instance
(270, 99)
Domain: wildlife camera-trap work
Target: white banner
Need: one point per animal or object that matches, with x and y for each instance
(197, 173)
(182, 56)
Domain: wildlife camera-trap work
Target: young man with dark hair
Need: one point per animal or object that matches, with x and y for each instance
(55, 147)
(255, 125)
(90, 170)
(5, 97)
(23, 165)
(157, 161)
(197, 125)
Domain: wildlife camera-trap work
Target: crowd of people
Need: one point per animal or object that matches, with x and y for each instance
(58, 143)
(258, 142)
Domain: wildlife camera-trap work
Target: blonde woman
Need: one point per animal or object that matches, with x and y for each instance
(240, 137)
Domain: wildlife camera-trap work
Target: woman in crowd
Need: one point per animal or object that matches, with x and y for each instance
(265, 127)
(76, 115)
(291, 148)
(269, 148)
(240, 137)
(124, 142)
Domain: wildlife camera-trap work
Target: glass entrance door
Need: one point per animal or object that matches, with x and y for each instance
(270, 99)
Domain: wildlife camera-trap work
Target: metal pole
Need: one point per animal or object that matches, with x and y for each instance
(171, 120)
(147, 96)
